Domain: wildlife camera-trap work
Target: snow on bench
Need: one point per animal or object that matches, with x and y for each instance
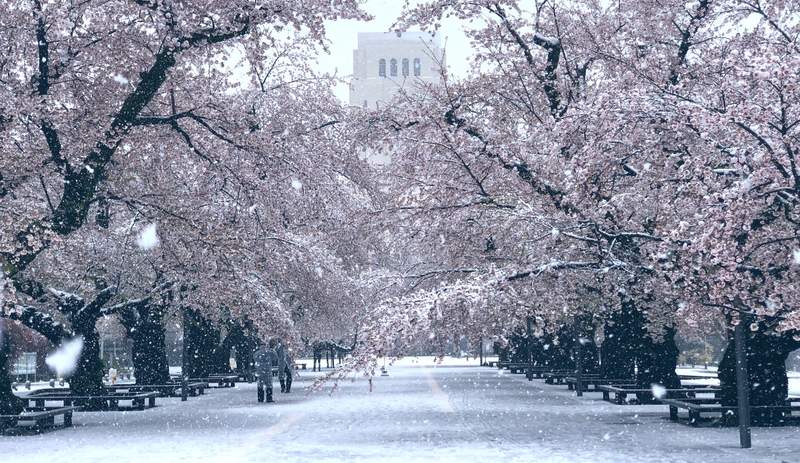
(111, 401)
(594, 381)
(698, 407)
(42, 419)
(193, 389)
(620, 393)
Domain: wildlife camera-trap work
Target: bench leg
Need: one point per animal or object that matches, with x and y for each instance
(673, 413)
(694, 417)
(621, 397)
(68, 419)
(152, 402)
(44, 423)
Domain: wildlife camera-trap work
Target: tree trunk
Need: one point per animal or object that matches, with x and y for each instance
(766, 367)
(149, 346)
(622, 334)
(9, 403)
(657, 361)
(88, 376)
(200, 338)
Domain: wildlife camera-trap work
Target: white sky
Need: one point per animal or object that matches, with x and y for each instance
(344, 39)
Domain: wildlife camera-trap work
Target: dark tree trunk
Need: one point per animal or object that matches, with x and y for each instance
(200, 338)
(657, 361)
(562, 350)
(9, 403)
(622, 333)
(584, 346)
(766, 367)
(88, 376)
(246, 344)
(149, 346)
(629, 351)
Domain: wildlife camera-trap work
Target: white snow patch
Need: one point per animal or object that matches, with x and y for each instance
(297, 184)
(796, 256)
(120, 79)
(148, 238)
(65, 359)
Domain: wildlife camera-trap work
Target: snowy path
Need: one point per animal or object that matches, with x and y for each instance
(418, 413)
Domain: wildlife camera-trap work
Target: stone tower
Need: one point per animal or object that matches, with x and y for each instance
(386, 63)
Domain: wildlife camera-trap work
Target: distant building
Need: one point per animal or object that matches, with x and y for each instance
(386, 63)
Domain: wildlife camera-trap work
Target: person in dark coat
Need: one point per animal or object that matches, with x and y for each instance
(265, 360)
(285, 366)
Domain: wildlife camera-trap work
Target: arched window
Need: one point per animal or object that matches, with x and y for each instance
(405, 67)
(382, 68)
(393, 67)
(417, 67)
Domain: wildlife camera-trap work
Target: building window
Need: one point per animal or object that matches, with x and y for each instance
(393, 67)
(417, 67)
(405, 67)
(382, 67)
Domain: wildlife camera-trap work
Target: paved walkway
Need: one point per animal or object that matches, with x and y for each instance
(420, 412)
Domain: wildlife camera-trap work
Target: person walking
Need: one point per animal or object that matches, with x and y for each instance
(285, 366)
(265, 359)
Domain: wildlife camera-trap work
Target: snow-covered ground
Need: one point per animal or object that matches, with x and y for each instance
(455, 411)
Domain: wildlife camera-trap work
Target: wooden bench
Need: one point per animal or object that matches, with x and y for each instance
(684, 376)
(111, 400)
(521, 367)
(620, 393)
(698, 407)
(590, 383)
(560, 376)
(42, 419)
(218, 381)
(491, 363)
(556, 377)
(193, 389)
(300, 366)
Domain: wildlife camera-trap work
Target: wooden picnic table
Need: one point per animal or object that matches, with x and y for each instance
(698, 407)
(593, 381)
(219, 381)
(697, 376)
(560, 376)
(522, 367)
(111, 400)
(42, 419)
(193, 388)
(620, 392)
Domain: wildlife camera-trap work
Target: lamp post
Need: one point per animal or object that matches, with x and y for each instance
(579, 368)
(529, 372)
(742, 383)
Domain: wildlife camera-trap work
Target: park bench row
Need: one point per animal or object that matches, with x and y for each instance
(44, 405)
(701, 402)
(698, 408)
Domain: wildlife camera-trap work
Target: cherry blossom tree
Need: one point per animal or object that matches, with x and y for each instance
(89, 88)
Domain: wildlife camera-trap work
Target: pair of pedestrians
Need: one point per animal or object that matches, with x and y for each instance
(273, 355)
